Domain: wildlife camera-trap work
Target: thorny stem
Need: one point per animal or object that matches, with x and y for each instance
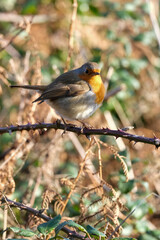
(39, 213)
(82, 131)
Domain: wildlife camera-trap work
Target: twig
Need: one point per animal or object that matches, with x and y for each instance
(71, 32)
(5, 199)
(85, 131)
(24, 26)
(154, 20)
(141, 202)
(39, 213)
(12, 39)
(99, 158)
(112, 125)
(114, 91)
(38, 181)
(15, 18)
(108, 77)
(5, 222)
(13, 154)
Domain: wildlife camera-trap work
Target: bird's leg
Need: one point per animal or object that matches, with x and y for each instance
(65, 125)
(63, 121)
(85, 125)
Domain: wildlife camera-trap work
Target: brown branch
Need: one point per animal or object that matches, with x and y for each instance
(15, 18)
(154, 20)
(71, 32)
(11, 40)
(39, 213)
(114, 91)
(82, 131)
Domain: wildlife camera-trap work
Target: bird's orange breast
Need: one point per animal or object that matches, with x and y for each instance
(97, 86)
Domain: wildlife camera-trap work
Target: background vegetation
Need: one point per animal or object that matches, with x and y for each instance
(39, 168)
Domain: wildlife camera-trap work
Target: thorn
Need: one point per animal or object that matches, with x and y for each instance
(88, 137)
(82, 130)
(154, 135)
(41, 211)
(134, 143)
(63, 133)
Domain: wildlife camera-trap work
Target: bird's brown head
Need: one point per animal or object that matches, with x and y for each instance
(88, 70)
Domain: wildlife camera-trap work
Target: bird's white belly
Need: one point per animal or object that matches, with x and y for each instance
(75, 108)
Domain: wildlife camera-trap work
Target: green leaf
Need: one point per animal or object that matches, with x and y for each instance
(26, 233)
(126, 187)
(47, 227)
(15, 229)
(146, 38)
(70, 223)
(23, 232)
(155, 233)
(76, 225)
(60, 226)
(92, 231)
(146, 236)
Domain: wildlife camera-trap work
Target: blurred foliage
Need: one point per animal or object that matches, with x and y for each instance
(116, 34)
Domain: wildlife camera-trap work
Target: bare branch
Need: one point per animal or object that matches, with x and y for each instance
(71, 33)
(39, 213)
(15, 18)
(114, 91)
(154, 20)
(82, 131)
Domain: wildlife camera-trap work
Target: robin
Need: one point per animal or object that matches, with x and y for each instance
(76, 94)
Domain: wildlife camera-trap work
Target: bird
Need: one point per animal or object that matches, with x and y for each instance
(74, 95)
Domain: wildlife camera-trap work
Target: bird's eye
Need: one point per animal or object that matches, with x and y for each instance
(87, 71)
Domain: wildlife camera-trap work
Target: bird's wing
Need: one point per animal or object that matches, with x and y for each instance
(60, 90)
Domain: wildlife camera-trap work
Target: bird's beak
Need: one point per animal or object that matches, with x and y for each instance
(96, 73)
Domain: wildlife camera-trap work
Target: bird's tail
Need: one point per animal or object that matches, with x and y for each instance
(40, 88)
